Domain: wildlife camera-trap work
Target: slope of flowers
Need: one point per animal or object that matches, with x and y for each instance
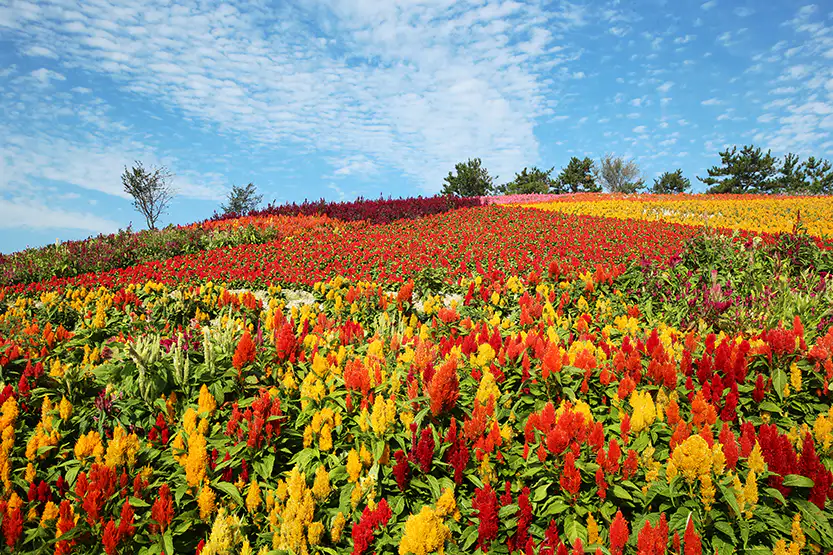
(532, 415)
(760, 213)
(454, 244)
(373, 211)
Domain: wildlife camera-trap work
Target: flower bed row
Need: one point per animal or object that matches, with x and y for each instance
(453, 245)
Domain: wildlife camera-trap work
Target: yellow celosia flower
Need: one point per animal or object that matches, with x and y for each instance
(644, 410)
(488, 388)
(315, 532)
(795, 376)
(89, 446)
(205, 501)
(447, 505)
(692, 458)
(189, 420)
(337, 528)
(592, 530)
(823, 429)
(225, 535)
(707, 491)
(750, 492)
(755, 461)
(122, 449)
(196, 460)
(50, 513)
(207, 404)
(253, 496)
(321, 485)
(65, 409)
(424, 533)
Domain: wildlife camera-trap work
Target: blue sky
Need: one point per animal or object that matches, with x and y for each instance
(338, 98)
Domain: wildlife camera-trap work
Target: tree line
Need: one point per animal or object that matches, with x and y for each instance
(748, 170)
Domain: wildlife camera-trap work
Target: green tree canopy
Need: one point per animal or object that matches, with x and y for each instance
(472, 180)
(671, 183)
(577, 177)
(618, 175)
(242, 200)
(749, 170)
(529, 182)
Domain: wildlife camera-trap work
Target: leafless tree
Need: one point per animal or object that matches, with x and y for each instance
(151, 190)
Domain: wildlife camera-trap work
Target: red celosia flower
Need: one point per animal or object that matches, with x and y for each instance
(162, 511)
(618, 534)
(401, 470)
(691, 540)
(423, 452)
(65, 523)
(405, 293)
(653, 541)
(12, 527)
(486, 505)
(729, 445)
(110, 539)
(631, 465)
(126, 527)
(245, 352)
(286, 343)
(444, 388)
(570, 478)
(370, 520)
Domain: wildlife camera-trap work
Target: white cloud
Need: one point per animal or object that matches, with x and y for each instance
(743, 11)
(712, 102)
(684, 39)
(40, 51)
(665, 87)
(16, 214)
(45, 76)
(640, 129)
(708, 5)
(425, 84)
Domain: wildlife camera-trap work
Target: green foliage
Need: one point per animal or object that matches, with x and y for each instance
(150, 189)
(671, 183)
(577, 177)
(242, 200)
(618, 175)
(529, 182)
(472, 180)
(746, 171)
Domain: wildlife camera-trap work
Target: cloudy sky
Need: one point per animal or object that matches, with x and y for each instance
(341, 98)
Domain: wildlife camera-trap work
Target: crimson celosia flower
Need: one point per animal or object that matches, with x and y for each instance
(401, 469)
(245, 352)
(362, 532)
(110, 539)
(423, 452)
(162, 511)
(618, 534)
(486, 504)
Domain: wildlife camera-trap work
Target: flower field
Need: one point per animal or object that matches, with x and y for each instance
(495, 379)
(749, 212)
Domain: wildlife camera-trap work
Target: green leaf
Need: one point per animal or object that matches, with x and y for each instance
(574, 529)
(232, 491)
(769, 406)
(798, 481)
(540, 493)
(779, 380)
(508, 511)
(468, 537)
(168, 542)
(264, 466)
(434, 485)
(620, 493)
